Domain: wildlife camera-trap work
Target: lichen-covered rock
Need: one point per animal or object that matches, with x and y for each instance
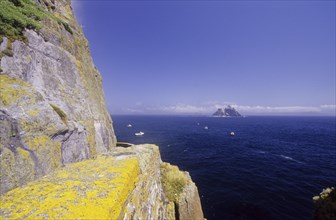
(58, 154)
(91, 189)
(148, 200)
(181, 192)
(188, 204)
(27, 147)
(51, 97)
(123, 184)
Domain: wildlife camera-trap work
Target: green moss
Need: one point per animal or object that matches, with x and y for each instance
(9, 45)
(18, 15)
(7, 52)
(67, 27)
(9, 49)
(173, 181)
(60, 113)
(124, 144)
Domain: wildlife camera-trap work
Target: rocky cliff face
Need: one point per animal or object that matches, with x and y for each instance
(58, 154)
(52, 106)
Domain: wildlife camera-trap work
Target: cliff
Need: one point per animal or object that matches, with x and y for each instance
(52, 107)
(123, 184)
(58, 154)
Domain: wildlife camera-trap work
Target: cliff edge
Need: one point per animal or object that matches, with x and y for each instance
(52, 106)
(58, 154)
(124, 184)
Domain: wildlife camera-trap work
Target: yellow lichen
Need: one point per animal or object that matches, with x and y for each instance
(46, 150)
(91, 137)
(15, 169)
(24, 154)
(171, 210)
(34, 112)
(29, 59)
(15, 91)
(92, 189)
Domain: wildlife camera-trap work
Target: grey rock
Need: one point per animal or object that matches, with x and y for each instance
(60, 114)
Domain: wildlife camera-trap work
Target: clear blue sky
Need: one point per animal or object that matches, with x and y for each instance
(190, 57)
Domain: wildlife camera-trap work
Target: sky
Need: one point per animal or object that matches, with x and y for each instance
(192, 57)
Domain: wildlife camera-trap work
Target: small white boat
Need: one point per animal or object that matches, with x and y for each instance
(206, 128)
(232, 133)
(139, 133)
(129, 125)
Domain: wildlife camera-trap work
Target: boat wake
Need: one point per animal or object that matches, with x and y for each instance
(279, 155)
(290, 158)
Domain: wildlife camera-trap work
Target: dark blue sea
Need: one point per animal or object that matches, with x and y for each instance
(270, 169)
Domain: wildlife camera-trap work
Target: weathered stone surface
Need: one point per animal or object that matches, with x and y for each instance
(58, 154)
(52, 94)
(91, 189)
(189, 204)
(148, 200)
(122, 184)
(28, 124)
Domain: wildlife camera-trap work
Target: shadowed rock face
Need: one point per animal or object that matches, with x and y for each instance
(219, 113)
(227, 112)
(52, 98)
(231, 112)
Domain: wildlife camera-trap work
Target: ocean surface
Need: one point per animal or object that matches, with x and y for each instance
(270, 169)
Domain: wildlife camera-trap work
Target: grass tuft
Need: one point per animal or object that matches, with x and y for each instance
(7, 52)
(61, 113)
(173, 181)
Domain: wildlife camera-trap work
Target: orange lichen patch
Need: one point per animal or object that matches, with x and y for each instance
(92, 189)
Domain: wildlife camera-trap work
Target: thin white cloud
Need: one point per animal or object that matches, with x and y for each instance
(183, 108)
(277, 109)
(330, 107)
(209, 108)
(133, 110)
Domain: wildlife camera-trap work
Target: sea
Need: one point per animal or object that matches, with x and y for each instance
(270, 169)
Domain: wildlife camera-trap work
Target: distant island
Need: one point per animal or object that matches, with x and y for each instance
(227, 112)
